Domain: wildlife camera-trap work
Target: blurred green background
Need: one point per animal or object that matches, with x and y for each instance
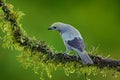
(97, 20)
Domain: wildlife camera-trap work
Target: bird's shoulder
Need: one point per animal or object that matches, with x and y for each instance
(71, 34)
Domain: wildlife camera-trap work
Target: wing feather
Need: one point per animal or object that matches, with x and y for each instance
(77, 43)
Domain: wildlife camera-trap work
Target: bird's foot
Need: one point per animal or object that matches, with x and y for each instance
(64, 54)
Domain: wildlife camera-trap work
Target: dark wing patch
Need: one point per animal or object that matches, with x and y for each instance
(77, 43)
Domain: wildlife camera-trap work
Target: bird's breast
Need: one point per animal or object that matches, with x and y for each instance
(67, 36)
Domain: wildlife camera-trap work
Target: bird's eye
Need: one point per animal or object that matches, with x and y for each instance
(54, 27)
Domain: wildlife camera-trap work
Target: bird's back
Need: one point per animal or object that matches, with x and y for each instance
(72, 32)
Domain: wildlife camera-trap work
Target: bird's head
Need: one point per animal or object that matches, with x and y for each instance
(58, 26)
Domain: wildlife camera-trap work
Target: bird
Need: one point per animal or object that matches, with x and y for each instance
(72, 40)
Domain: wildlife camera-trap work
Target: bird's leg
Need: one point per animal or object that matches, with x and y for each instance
(68, 48)
(78, 56)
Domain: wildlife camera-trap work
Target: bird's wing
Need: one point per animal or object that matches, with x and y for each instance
(77, 43)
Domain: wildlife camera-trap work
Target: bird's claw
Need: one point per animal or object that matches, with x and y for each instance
(64, 54)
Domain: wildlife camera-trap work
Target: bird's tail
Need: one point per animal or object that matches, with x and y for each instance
(85, 58)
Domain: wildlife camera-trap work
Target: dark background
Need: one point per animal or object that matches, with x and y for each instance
(97, 20)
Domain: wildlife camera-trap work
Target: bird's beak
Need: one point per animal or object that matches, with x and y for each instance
(50, 28)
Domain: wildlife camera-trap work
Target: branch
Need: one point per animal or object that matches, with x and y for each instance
(42, 48)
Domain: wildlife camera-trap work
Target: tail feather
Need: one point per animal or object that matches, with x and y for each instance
(85, 58)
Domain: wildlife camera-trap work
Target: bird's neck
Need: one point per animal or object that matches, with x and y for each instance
(63, 31)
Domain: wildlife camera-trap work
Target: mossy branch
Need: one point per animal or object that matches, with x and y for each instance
(21, 39)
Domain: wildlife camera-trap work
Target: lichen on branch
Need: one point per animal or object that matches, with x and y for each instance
(40, 56)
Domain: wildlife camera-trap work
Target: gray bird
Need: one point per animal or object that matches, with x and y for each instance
(72, 40)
